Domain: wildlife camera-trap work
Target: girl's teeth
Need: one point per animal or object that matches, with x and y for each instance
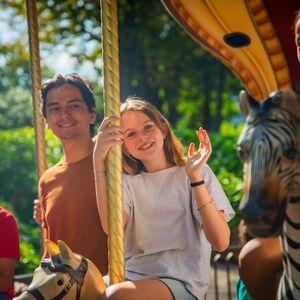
(146, 146)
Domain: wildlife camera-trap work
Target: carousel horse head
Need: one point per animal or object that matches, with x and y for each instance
(269, 148)
(65, 275)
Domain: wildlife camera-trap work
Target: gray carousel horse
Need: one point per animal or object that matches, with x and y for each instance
(269, 147)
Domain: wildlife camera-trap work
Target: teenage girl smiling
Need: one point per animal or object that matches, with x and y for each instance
(175, 210)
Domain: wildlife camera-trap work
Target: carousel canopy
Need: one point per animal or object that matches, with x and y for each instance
(253, 38)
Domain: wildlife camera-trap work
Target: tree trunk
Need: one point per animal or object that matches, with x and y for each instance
(219, 101)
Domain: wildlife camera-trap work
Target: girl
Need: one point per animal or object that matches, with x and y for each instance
(174, 207)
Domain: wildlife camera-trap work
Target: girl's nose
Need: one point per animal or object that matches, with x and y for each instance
(143, 133)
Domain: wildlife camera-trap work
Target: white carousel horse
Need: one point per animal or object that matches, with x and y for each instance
(65, 275)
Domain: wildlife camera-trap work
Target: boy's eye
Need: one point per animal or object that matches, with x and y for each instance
(75, 106)
(53, 109)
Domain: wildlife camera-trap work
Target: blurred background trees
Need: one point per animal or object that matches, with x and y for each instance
(158, 61)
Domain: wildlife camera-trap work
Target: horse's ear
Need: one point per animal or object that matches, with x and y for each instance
(65, 251)
(291, 102)
(52, 248)
(247, 102)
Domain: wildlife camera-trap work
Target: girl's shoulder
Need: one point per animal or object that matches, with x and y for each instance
(157, 176)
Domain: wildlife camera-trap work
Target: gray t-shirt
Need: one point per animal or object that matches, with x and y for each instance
(163, 234)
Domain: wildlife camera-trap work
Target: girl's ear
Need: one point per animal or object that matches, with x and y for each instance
(93, 116)
(165, 131)
(124, 150)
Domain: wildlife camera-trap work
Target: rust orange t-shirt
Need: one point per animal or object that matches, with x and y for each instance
(67, 192)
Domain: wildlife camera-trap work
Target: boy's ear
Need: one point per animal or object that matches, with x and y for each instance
(46, 123)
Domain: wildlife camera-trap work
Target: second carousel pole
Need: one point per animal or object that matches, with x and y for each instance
(110, 49)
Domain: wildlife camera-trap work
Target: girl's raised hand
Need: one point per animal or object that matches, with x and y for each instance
(197, 159)
(108, 135)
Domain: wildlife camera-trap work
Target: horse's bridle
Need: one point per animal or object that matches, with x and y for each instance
(76, 276)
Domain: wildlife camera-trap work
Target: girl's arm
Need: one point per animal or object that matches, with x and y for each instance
(215, 227)
(108, 135)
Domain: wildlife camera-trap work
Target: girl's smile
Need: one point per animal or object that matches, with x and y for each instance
(146, 146)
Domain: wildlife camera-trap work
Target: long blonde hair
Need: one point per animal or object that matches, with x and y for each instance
(173, 148)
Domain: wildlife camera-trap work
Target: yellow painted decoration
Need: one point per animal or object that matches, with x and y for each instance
(261, 65)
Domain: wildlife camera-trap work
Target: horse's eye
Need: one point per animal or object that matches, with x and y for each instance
(290, 153)
(60, 282)
(242, 153)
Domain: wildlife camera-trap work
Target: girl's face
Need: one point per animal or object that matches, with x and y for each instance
(143, 139)
(297, 38)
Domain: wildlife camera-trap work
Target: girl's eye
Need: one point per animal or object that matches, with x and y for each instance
(148, 127)
(131, 134)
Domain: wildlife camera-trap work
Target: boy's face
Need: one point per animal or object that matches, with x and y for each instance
(297, 38)
(67, 113)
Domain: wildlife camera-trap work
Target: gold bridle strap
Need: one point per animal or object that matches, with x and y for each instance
(114, 163)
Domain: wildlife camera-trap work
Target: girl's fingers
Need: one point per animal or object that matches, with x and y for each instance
(208, 143)
(107, 122)
(110, 139)
(204, 144)
(200, 133)
(191, 149)
(112, 131)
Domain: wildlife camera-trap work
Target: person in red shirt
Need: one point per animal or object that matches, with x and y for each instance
(9, 253)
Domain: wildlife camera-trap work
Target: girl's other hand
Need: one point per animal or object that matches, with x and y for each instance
(197, 159)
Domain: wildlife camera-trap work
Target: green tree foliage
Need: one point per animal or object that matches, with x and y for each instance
(15, 108)
(18, 169)
(158, 60)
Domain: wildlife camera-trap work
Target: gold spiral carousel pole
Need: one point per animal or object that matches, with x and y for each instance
(114, 163)
(32, 20)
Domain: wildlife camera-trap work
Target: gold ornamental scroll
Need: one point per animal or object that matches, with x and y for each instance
(33, 28)
(114, 162)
